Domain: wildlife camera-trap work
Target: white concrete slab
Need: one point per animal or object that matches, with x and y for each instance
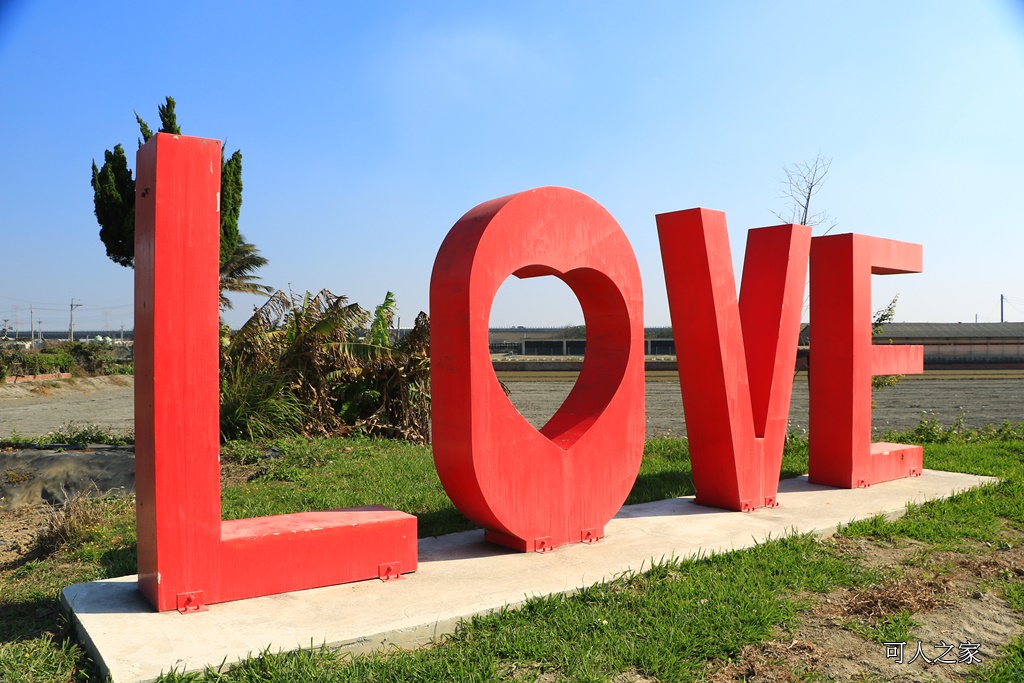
(459, 576)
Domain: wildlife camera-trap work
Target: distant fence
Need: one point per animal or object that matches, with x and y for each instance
(996, 354)
(571, 347)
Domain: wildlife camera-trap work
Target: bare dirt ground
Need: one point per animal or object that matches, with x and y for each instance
(37, 408)
(948, 596)
(30, 480)
(983, 397)
(18, 531)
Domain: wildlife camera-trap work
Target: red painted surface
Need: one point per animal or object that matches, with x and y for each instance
(187, 556)
(843, 361)
(735, 356)
(536, 490)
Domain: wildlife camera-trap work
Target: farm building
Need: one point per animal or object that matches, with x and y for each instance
(961, 345)
(567, 341)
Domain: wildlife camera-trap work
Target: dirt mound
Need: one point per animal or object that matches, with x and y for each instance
(30, 477)
(66, 386)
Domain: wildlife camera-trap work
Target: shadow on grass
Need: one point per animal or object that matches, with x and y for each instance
(120, 562)
(660, 486)
(441, 522)
(29, 618)
(791, 472)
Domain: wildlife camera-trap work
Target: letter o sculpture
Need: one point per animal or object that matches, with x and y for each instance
(535, 490)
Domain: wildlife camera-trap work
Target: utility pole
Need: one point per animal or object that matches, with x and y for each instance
(1001, 318)
(31, 325)
(71, 327)
(41, 340)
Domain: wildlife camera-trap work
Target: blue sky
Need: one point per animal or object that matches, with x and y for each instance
(368, 129)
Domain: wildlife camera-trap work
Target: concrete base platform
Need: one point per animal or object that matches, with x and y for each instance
(459, 576)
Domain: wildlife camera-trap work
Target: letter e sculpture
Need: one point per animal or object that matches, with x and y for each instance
(843, 361)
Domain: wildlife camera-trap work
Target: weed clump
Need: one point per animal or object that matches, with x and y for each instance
(69, 525)
(929, 430)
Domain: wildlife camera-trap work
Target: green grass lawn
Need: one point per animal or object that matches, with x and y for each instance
(676, 622)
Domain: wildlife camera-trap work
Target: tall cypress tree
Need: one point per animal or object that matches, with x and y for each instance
(114, 195)
(230, 203)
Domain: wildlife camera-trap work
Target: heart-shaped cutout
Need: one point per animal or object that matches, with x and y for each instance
(536, 360)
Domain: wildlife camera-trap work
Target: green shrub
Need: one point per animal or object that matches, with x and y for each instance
(86, 434)
(44, 361)
(94, 357)
(121, 368)
(256, 405)
(332, 362)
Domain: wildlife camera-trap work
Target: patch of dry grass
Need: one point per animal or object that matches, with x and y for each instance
(16, 476)
(69, 524)
(908, 593)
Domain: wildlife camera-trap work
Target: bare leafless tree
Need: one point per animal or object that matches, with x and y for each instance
(798, 185)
